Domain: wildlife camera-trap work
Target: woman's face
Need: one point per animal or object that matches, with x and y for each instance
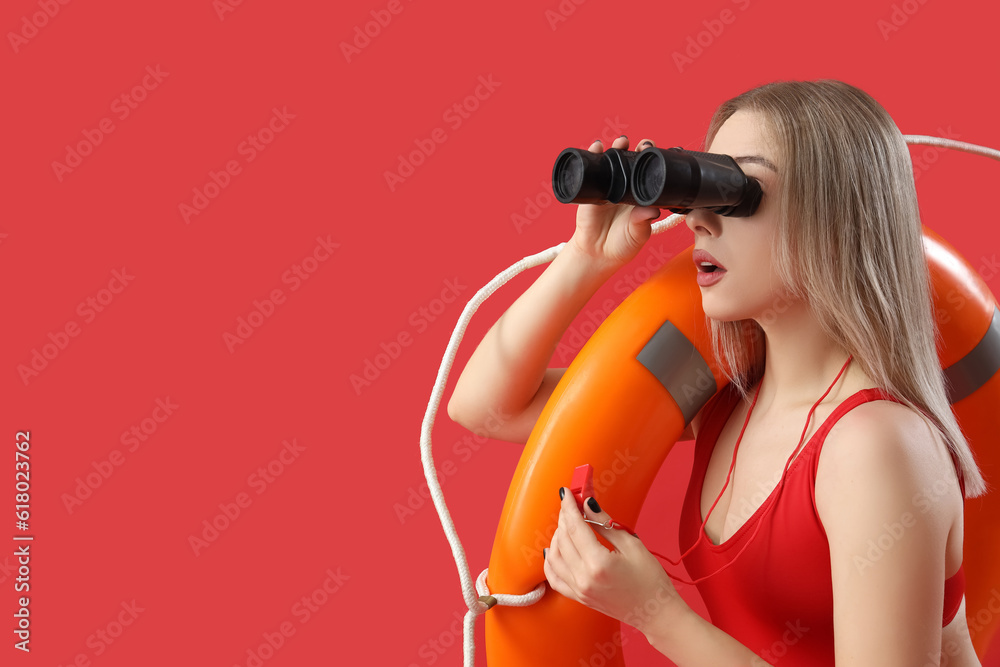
(748, 287)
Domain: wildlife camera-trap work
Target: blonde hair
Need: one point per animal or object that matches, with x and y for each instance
(849, 242)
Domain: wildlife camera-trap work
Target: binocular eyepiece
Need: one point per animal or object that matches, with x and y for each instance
(672, 178)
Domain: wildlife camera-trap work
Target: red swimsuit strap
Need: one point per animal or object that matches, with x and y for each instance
(781, 483)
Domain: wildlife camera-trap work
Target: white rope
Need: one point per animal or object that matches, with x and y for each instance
(475, 605)
(510, 600)
(951, 143)
(468, 634)
(426, 455)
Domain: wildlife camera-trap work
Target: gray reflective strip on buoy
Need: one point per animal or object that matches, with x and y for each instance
(680, 368)
(975, 369)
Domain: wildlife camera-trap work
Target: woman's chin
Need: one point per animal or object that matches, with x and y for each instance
(722, 312)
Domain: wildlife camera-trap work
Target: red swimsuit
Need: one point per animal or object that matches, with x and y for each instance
(777, 597)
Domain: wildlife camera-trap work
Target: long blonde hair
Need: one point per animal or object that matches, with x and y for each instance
(849, 242)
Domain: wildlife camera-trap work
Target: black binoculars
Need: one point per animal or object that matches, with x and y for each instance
(671, 178)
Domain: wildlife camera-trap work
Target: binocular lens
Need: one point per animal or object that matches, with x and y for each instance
(582, 177)
(567, 178)
(650, 180)
(671, 178)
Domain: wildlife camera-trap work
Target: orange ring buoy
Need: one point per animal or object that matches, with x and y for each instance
(637, 382)
(969, 349)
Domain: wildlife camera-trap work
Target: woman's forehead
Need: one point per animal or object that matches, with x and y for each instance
(744, 134)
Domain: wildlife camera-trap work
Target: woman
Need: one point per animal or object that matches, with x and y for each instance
(820, 313)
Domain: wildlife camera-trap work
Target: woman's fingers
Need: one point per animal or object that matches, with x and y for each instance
(550, 567)
(597, 146)
(570, 526)
(622, 142)
(572, 537)
(587, 551)
(562, 560)
(619, 539)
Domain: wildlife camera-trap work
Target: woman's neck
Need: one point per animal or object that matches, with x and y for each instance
(801, 362)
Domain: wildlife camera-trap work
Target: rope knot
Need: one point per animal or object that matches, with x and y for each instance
(487, 600)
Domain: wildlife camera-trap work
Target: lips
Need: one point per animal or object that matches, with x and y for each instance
(706, 263)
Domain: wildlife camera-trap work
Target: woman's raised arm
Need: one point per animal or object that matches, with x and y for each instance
(507, 381)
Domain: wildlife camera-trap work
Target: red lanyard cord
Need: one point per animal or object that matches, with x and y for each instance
(701, 532)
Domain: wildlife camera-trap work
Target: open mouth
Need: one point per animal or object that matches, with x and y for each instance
(706, 267)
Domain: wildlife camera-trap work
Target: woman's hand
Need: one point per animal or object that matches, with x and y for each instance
(613, 234)
(628, 584)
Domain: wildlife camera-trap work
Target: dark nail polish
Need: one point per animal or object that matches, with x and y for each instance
(562, 493)
(545, 552)
(593, 505)
(621, 136)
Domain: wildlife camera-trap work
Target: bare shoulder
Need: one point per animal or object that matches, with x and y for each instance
(888, 552)
(889, 454)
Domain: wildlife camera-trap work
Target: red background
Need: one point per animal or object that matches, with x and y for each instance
(601, 67)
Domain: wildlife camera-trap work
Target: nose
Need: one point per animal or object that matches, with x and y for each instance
(704, 222)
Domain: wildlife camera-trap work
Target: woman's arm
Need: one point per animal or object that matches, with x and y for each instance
(507, 379)
(887, 549)
(691, 641)
(508, 376)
